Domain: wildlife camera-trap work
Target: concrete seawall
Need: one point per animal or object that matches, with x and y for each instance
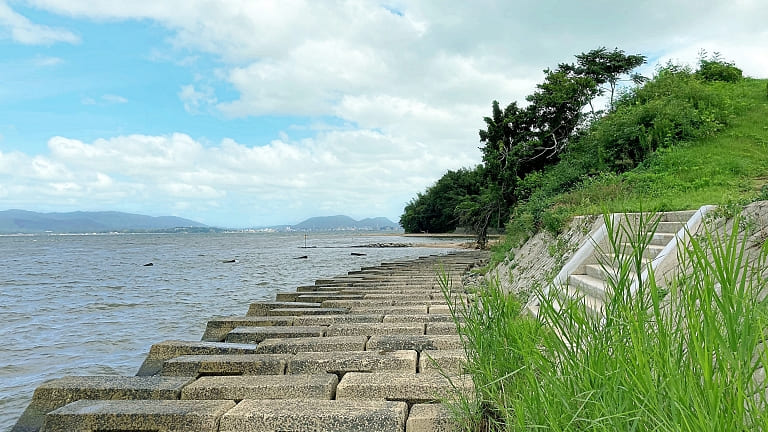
(373, 350)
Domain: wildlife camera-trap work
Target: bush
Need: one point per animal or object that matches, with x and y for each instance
(718, 70)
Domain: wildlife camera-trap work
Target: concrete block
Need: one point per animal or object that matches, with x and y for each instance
(316, 416)
(241, 364)
(169, 349)
(349, 304)
(392, 310)
(428, 302)
(306, 311)
(352, 361)
(327, 320)
(371, 329)
(316, 344)
(388, 296)
(217, 328)
(441, 328)
(259, 334)
(117, 415)
(318, 386)
(59, 392)
(431, 418)
(394, 386)
(330, 295)
(286, 296)
(422, 317)
(450, 361)
(414, 342)
(263, 308)
(442, 309)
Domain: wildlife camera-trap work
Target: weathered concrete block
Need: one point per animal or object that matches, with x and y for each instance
(317, 344)
(371, 329)
(327, 320)
(431, 418)
(411, 388)
(330, 295)
(316, 415)
(306, 311)
(263, 308)
(441, 328)
(241, 364)
(429, 302)
(259, 334)
(286, 296)
(59, 392)
(439, 309)
(140, 415)
(414, 342)
(352, 361)
(395, 297)
(392, 310)
(169, 349)
(423, 318)
(317, 386)
(349, 304)
(450, 361)
(217, 328)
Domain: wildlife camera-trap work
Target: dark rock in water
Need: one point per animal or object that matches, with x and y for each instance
(357, 254)
(302, 257)
(149, 264)
(229, 261)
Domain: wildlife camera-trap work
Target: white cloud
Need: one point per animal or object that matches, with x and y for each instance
(409, 81)
(26, 32)
(113, 99)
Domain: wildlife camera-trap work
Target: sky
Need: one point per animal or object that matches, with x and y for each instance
(245, 113)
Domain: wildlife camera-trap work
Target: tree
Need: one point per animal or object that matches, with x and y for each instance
(607, 67)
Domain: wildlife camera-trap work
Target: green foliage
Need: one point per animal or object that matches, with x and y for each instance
(686, 358)
(436, 209)
(715, 68)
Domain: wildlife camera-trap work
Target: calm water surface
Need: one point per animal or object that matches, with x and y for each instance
(87, 305)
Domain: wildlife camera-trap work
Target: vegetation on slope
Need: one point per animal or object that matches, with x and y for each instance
(687, 357)
(680, 140)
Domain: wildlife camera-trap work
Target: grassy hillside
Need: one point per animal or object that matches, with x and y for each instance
(723, 162)
(729, 167)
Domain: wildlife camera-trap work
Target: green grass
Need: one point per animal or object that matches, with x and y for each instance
(730, 166)
(682, 358)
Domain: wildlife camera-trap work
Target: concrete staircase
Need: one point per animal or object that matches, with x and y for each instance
(372, 350)
(586, 276)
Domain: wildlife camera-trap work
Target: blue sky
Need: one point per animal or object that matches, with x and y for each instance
(250, 113)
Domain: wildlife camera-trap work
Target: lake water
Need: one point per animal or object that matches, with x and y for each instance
(87, 305)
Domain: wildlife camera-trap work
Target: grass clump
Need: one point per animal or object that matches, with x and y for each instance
(686, 357)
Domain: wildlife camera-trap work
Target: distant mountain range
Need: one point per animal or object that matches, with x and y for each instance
(344, 223)
(27, 222)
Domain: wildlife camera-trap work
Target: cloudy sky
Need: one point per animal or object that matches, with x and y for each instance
(244, 113)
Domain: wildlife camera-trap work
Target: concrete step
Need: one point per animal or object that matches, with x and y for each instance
(414, 342)
(410, 388)
(441, 328)
(312, 344)
(374, 329)
(119, 415)
(431, 418)
(392, 310)
(57, 393)
(593, 304)
(241, 364)
(302, 311)
(326, 320)
(361, 303)
(254, 335)
(588, 285)
(449, 361)
(169, 349)
(316, 415)
(422, 318)
(316, 386)
(321, 297)
(263, 308)
(217, 328)
(341, 363)
(662, 239)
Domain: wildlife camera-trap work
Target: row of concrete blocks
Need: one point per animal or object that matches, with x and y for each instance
(263, 403)
(312, 350)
